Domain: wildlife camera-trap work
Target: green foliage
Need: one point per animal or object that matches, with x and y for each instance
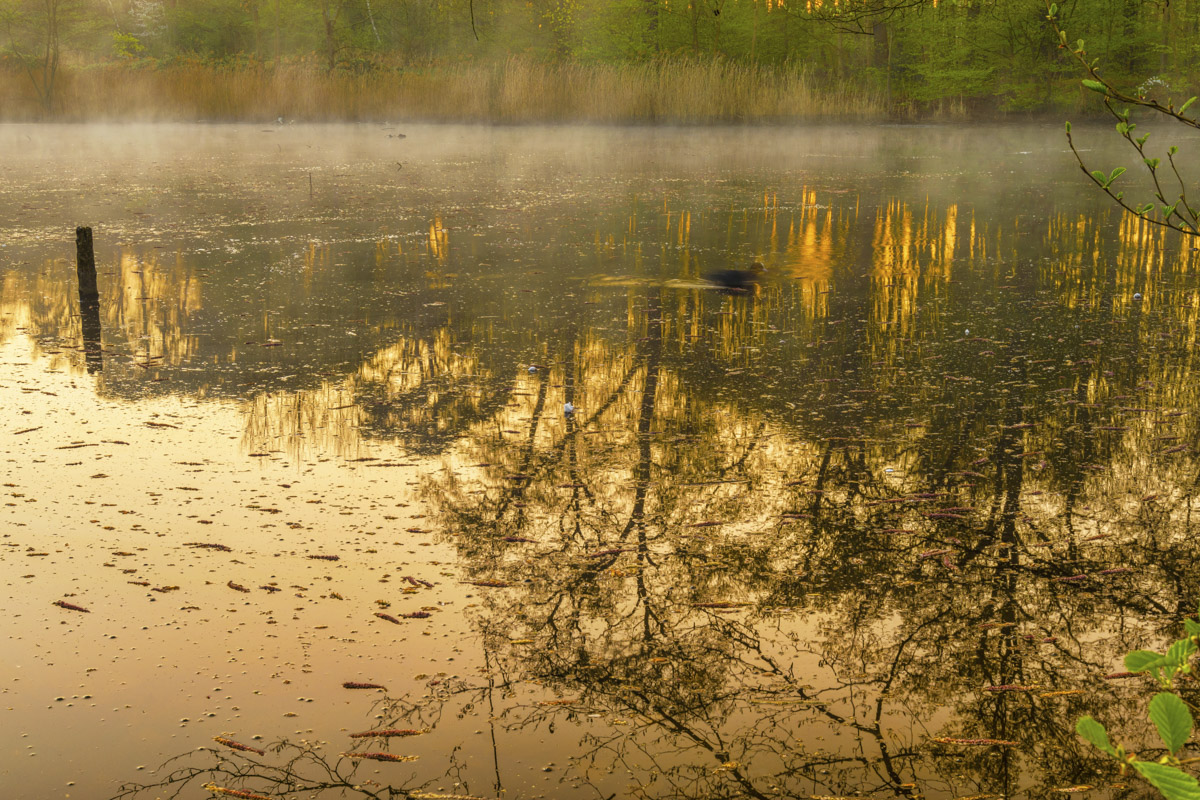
(1095, 733)
(1168, 711)
(126, 45)
(924, 55)
(1173, 720)
(1174, 783)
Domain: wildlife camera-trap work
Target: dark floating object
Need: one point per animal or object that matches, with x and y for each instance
(736, 280)
(379, 756)
(231, 744)
(386, 733)
(358, 685)
(71, 606)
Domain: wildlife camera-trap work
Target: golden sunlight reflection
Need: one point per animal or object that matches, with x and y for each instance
(932, 460)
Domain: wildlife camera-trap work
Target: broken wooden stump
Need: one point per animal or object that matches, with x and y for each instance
(89, 299)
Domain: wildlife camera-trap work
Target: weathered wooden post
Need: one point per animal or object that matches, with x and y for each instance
(85, 263)
(89, 299)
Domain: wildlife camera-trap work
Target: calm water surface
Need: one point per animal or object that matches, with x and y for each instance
(925, 486)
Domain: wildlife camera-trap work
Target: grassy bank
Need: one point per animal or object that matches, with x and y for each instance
(516, 90)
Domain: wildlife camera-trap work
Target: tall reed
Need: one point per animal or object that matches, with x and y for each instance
(515, 90)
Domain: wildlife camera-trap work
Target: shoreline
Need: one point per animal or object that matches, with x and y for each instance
(511, 93)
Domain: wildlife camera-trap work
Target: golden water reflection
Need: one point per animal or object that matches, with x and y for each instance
(928, 482)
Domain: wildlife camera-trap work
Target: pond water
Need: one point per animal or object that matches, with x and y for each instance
(882, 526)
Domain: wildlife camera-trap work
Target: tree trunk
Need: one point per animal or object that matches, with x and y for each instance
(651, 9)
(881, 57)
(329, 18)
(694, 19)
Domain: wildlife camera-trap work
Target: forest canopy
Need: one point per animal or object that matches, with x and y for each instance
(894, 56)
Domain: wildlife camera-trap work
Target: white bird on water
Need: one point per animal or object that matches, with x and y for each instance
(568, 408)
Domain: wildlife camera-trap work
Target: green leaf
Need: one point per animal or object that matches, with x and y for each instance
(1190, 625)
(1068, 126)
(1172, 150)
(1095, 86)
(1184, 107)
(1100, 178)
(1141, 140)
(1172, 718)
(1095, 733)
(1122, 128)
(1182, 650)
(1053, 9)
(1116, 173)
(1174, 783)
(1142, 660)
(1152, 163)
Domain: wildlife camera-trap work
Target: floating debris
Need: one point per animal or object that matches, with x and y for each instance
(322, 557)
(387, 733)
(934, 553)
(209, 546)
(71, 606)
(232, 745)
(239, 793)
(357, 685)
(387, 617)
(237, 587)
(379, 756)
(975, 742)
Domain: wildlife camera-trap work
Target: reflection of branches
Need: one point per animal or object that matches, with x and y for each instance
(925, 566)
(301, 768)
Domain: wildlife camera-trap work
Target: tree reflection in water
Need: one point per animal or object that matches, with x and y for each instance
(881, 538)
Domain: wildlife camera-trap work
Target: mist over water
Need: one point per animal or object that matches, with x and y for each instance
(880, 525)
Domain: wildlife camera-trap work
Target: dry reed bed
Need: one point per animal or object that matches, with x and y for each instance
(516, 90)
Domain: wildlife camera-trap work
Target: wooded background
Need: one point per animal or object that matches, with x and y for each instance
(900, 56)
